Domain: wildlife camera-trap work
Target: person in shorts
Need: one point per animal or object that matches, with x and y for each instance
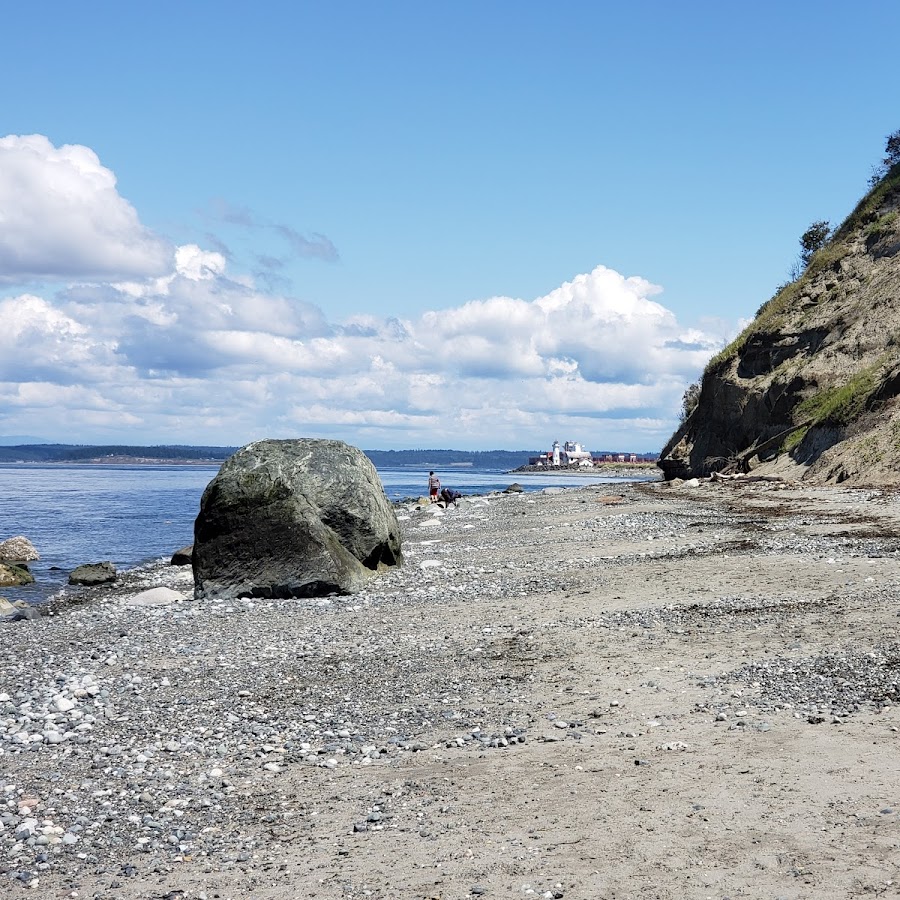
(434, 486)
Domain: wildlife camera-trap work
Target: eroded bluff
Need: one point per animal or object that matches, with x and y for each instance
(810, 388)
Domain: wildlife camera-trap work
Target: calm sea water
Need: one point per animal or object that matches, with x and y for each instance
(132, 515)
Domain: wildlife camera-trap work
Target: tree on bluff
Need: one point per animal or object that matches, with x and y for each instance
(891, 158)
(814, 238)
(892, 149)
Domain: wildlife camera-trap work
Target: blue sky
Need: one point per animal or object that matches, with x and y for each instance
(406, 224)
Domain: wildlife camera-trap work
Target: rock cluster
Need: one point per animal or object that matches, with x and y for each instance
(12, 575)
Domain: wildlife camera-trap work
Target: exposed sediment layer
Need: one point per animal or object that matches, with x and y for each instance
(606, 691)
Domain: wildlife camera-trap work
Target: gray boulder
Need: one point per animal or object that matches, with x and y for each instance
(18, 549)
(91, 574)
(293, 518)
(19, 611)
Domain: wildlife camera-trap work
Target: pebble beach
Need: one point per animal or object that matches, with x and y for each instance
(611, 691)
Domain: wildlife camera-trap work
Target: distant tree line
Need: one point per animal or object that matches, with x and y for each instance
(83, 452)
(500, 459)
(489, 459)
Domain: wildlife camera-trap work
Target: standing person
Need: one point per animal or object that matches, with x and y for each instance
(434, 486)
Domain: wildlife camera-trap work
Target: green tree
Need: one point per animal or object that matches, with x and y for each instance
(891, 158)
(892, 149)
(814, 238)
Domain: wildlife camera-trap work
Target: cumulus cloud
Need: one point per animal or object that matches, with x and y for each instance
(151, 343)
(38, 342)
(199, 357)
(61, 217)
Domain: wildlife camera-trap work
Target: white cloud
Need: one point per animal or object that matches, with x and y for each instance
(199, 358)
(61, 217)
(198, 265)
(38, 341)
(156, 343)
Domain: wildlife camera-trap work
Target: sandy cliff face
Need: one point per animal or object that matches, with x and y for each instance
(811, 386)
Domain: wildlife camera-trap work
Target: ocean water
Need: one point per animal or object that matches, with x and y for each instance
(135, 514)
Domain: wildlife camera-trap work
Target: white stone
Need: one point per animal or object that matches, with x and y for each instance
(159, 596)
(63, 704)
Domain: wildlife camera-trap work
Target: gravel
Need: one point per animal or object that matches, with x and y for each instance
(129, 731)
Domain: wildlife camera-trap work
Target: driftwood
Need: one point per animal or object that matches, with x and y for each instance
(744, 479)
(741, 462)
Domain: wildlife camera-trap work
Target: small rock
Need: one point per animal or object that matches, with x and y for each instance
(183, 556)
(93, 573)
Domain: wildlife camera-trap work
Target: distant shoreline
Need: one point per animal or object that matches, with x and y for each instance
(113, 461)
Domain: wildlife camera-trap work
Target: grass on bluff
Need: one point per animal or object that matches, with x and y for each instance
(882, 225)
(843, 404)
(793, 439)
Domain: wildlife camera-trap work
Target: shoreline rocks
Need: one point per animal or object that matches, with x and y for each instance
(183, 557)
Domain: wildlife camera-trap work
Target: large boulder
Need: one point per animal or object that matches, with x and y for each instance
(18, 549)
(293, 518)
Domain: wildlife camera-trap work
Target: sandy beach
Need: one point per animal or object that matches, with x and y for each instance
(644, 691)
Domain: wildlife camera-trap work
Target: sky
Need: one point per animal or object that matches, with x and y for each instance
(410, 225)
